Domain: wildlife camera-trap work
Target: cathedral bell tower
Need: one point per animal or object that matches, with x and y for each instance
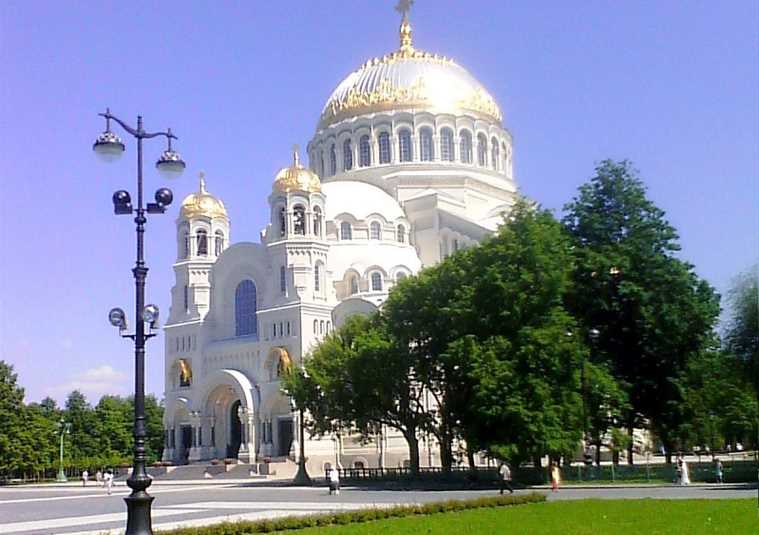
(202, 236)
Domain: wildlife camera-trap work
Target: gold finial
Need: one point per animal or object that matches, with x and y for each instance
(403, 7)
(296, 158)
(202, 177)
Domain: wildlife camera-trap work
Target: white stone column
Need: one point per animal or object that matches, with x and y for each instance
(168, 450)
(247, 453)
(195, 451)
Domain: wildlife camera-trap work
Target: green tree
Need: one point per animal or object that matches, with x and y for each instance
(605, 404)
(84, 440)
(357, 380)
(12, 443)
(742, 333)
(652, 311)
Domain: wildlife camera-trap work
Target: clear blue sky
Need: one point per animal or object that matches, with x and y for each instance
(671, 85)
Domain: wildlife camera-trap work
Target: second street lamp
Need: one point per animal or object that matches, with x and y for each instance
(109, 146)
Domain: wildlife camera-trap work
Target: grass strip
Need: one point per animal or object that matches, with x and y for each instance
(352, 517)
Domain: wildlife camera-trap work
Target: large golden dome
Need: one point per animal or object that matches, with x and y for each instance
(409, 79)
(296, 178)
(202, 203)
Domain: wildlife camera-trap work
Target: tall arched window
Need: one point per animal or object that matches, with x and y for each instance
(282, 221)
(283, 279)
(202, 237)
(376, 282)
(505, 157)
(347, 155)
(465, 146)
(186, 298)
(495, 157)
(321, 163)
(219, 242)
(353, 284)
(332, 161)
(482, 150)
(186, 245)
(299, 219)
(364, 152)
(346, 231)
(317, 221)
(318, 277)
(401, 234)
(245, 309)
(446, 145)
(375, 231)
(384, 147)
(316, 326)
(404, 145)
(425, 145)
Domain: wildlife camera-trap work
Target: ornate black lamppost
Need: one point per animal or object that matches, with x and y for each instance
(109, 146)
(301, 476)
(65, 429)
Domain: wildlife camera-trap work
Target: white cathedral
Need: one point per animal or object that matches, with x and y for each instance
(410, 162)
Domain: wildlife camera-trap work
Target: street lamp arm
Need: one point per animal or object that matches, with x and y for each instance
(137, 132)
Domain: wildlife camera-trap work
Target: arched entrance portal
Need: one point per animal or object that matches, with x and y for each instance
(235, 431)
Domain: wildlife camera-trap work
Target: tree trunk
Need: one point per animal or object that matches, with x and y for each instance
(631, 445)
(446, 453)
(413, 451)
(470, 458)
(599, 443)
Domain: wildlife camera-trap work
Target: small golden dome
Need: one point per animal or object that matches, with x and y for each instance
(296, 178)
(202, 203)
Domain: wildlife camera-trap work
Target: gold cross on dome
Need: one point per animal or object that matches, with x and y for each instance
(404, 6)
(202, 178)
(296, 157)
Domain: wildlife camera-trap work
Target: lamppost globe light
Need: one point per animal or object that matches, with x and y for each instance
(594, 333)
(117, 318)
(108, 146)
(170, 164)
(150, 314)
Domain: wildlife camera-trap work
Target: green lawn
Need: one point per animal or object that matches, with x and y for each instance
(607, 517)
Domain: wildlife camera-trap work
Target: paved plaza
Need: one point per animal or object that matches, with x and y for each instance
(72, 509)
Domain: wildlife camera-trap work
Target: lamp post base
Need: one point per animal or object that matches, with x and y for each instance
(138, 513)
(301, 476)
(61, 477)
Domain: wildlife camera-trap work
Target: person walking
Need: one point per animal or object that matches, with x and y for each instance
(99, 477)
(718, 470)
(108, 481)
(555, 477)
(334, 481)
(684, 475)
(505, 479)
(85, 477)
(679, 471)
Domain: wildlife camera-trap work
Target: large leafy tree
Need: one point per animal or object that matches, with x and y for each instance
(12, 441)
(742, 333)
(358, 380)
(652, 311)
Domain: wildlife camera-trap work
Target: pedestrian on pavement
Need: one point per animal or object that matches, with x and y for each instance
(99, 477)
(505, 479)
(684, 475)
(334, 481)
(85, 477)
(679, 470)
(718, 470)
(108, 481)
(555, 477)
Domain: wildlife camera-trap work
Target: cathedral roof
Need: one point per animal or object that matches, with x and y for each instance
(296, 178)
(202, 203)
(360, 200)
(409, 78)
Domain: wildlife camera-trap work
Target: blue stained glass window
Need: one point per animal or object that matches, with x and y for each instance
(465, 149)
(347, 155)
(446, 144)
(404, 145)
(365, 152)
(425, 141)
(245, 309)
(384, 147)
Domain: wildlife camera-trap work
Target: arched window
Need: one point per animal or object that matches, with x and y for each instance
(299, 219)
(482, 150)
(321, 327)
(202, 237)
(345, 231)
(375, 230)
(364, 152)
(347, 155)
(329, 327)
(185, 373)
(353, 283)
(384, 147)
(283, 279)
(317, 221)
(332, 161)
(317, 277)
(465, 146)
(404, 145)
(186, 246)
(245, 309)
(219, 242)
(505, 157)
(376, 282)
(316, 326)
(186, 298)
(495, 158)
(282, 221)
(446, 145)
(401, 234)
(321, 163)
(425, 144)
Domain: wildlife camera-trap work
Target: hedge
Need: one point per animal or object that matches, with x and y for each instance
(351, 517)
